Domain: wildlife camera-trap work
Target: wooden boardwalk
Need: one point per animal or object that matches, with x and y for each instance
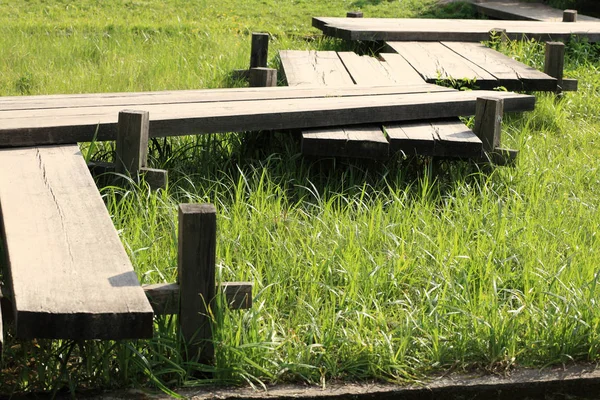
(447, 61)
(458, 30)
(43, 120)
(516, 10)
(441, 138)
(69, 274)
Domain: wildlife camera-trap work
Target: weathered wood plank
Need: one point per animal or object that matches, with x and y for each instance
(196, 278)
(404, 29)
(508, 72)
(400, 69)
(516, 10)
(322, 68)
(134, 99)
(37, 127)
(358, 142)
(69, 274)
(164, 297)
(449, 138)
(366, 70)
(434, 62)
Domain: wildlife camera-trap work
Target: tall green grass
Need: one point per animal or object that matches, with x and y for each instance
(393, 271)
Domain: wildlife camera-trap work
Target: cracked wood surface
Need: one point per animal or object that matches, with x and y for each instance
(69, 274)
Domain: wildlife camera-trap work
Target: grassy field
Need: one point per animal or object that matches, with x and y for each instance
(394, 271)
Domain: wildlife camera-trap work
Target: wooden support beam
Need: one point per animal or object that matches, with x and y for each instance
(132, 142)
(164, 297)
(354, 14)
(488, 122)
(196, 278)
(262, 77)
(555, 61)
(570, 16)
(156, 178)
(259, 50)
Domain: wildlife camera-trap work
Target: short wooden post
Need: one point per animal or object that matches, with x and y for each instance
(259, 50)
(354, 14)
(196, 278)
(132, 142)
(262, 77)
(555, 61)
(570, 16)
(488, 122)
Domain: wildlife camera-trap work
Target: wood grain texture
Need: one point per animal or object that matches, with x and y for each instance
(131, 150)
(488, 122)
(262, 77)
(516, 10)
(366, 70)
(401, 71)
(507, 72)
(434, 62)
(320, 68)
(405, 29)
(35, 127)
(69, 274)
(196, 278)
(555, 60)
(450, 138)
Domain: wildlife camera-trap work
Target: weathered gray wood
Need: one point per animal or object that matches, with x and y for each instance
(434, 62)
(365, 70)
(196, 278)
(488, 122)
(555, 61)
(164, 297)
(570, 16)
(404, 29)
(132, 142)
(400, 69)
(34, 127)
(262, 77)
(358, 142)
(516, 10)
(259, 50)
(354, 14)
(139, 99)
(70, 277)
(320, 68)
(507, 72)
(449, 138)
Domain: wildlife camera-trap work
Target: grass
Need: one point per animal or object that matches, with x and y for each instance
(395, 271)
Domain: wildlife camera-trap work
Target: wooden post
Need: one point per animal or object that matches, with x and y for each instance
(132, 142)
(570, 16)
(259, 50)
(488, 122)
(555, 61)
(196, 278)
(501, 32)
(263, 77)
(354, 14)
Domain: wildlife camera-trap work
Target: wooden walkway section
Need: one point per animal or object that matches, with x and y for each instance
(442, 138)
(446, 61)
(69, 274)
(456, 30)
(44, 120)
(516, 10)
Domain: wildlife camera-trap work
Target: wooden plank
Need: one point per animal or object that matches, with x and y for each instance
(196, 278)
(37, 127)
(508, 72)
(322, 68)
(358, 142)
(449, 138)
(361, 142)
(69, 275)
(366, 70)
(164, 297)
(400, 69)
(516, 10)
(435, 62)
(135, 99)
(404, 29)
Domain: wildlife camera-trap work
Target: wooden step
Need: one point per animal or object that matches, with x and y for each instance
(31, 127)
(69, 275)
(461, 30)
(531, 11)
